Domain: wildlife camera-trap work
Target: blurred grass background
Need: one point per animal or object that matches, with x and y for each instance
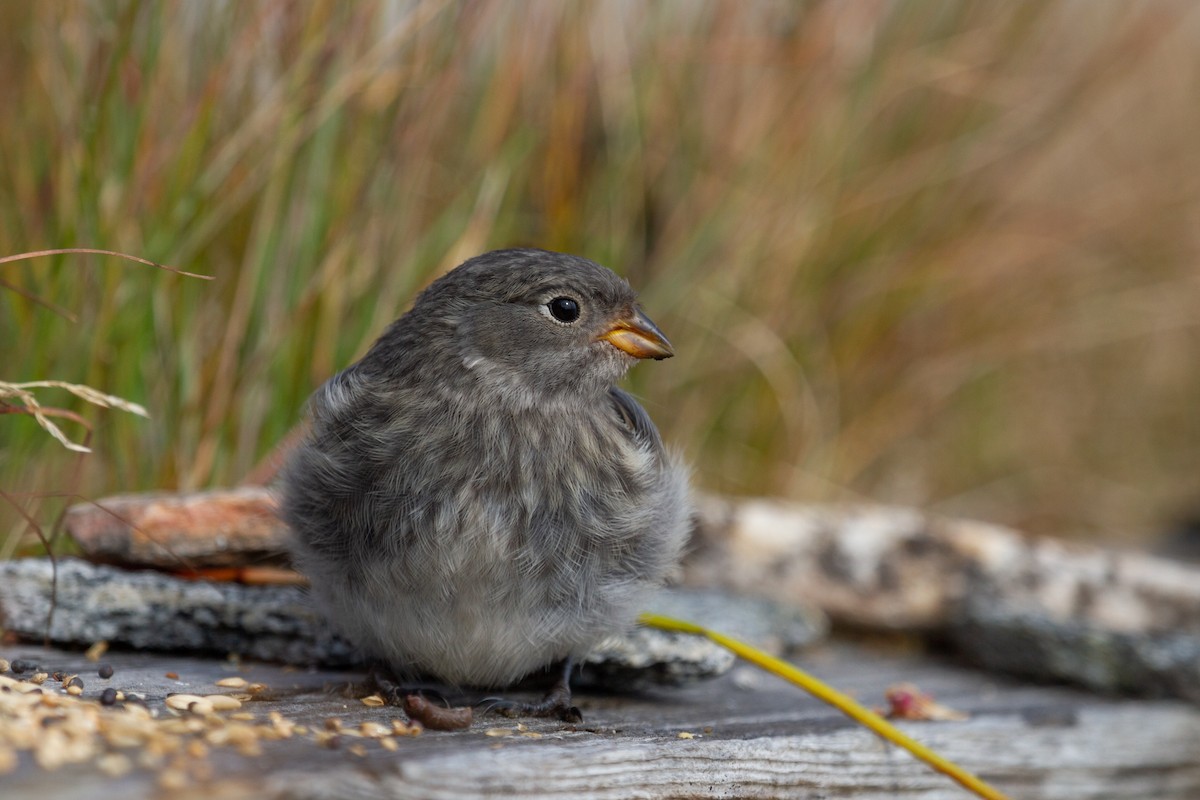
(934, 253)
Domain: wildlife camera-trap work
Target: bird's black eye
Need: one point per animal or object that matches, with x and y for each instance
(564, 309)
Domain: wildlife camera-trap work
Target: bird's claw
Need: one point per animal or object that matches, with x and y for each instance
(552, 705)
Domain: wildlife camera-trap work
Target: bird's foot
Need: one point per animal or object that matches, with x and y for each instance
(394, 692)
(556, 702)
(548, 706)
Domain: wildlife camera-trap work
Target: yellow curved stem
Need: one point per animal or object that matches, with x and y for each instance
(833, 697)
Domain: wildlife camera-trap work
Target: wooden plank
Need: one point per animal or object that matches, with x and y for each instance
(752, 737)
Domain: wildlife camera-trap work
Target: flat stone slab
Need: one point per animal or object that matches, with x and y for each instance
(743, 735)
(159, 611)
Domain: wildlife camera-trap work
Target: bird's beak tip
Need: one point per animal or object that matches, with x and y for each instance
(638, 336)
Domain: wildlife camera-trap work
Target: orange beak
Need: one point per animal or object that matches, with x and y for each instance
(636, 335)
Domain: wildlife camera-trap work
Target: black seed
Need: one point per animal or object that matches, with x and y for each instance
(75, 682)
(59, 676)
(108, 696)
(21, 665)
(105, 671)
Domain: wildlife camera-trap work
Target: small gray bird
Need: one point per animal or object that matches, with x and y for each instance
(476, 500)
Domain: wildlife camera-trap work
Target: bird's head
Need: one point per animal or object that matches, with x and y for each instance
(542, 323)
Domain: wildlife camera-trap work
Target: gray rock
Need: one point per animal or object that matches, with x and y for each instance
(999, 636)
(156, 611)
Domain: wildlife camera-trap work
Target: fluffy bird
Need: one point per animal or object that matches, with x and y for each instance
(476, 500)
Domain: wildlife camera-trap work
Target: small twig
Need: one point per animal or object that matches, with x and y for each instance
(9, 408)
(94, 251)
(33, 298)
(32, 523)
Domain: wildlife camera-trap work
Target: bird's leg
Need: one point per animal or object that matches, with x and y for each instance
(394, 692)
(555, 703)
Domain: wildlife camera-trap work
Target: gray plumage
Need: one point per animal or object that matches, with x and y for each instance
(476, 499)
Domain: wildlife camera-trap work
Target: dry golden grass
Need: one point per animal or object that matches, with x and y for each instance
(934, 253)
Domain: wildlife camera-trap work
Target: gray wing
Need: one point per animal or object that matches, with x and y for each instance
(635, 419)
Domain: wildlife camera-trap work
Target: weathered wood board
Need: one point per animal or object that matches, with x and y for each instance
(752, 736)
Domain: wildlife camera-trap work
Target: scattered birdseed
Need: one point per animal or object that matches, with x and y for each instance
(3, 665)
(105, 671)
(96, 651)
(498, 732)
(256, 688)
(173, 780)
(117, 733)
(114, 765)
(402, 728)
(20, 666)
(373, 730)
(172, 675)
(189, 702)
(373, 701)
(232, 683)
(223, 702)
(685, 735)
(39, 678)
